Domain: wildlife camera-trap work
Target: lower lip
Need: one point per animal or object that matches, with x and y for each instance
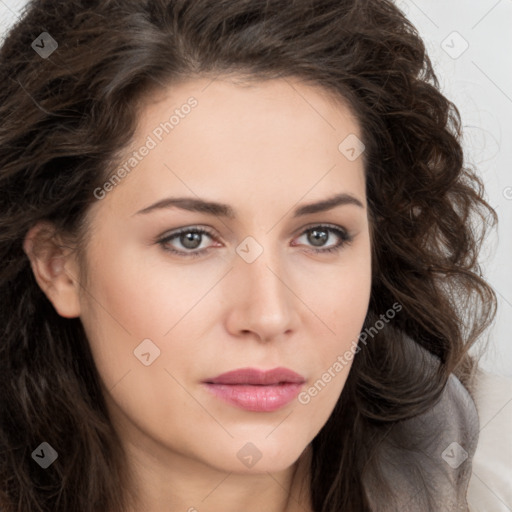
(256, 398)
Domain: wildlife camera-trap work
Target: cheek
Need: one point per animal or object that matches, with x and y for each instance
(126, 320)
(138, 295)
(342, 298)
(341, 305)
(120, 309)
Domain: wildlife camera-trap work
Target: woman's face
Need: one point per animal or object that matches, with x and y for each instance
(166, 313)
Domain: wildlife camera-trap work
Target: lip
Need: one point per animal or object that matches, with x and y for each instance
(257, 390)
(258, 377)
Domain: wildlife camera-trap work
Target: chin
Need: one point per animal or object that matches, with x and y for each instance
(260, 455)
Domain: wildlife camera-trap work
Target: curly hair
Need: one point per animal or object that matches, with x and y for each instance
(66, 118)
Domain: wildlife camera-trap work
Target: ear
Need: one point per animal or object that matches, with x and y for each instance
(55, 268)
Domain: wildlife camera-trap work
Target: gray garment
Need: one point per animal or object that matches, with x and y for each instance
(427, 460)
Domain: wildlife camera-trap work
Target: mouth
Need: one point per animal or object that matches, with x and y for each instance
(256, 390)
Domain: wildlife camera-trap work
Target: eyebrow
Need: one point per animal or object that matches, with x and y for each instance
(223, 210)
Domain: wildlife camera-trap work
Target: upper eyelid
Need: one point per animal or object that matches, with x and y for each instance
(209, 231)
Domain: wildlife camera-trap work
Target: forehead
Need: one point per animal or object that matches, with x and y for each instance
(258, 139)
(271, 101)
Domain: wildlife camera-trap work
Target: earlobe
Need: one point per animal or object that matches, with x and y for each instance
(55, 269)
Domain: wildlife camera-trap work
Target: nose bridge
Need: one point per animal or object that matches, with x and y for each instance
(262, 301)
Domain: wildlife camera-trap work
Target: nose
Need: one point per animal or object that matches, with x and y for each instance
(262, 303)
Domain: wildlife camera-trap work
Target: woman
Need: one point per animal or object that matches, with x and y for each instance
(239, 261)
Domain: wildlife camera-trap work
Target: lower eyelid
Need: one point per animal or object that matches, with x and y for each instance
(341, 233)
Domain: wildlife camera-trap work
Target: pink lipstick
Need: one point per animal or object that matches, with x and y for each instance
(256, 390)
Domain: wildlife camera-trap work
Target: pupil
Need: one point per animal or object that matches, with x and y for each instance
(318, 237)
(191, 240)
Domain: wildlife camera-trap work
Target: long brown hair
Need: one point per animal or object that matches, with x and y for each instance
(64, 118)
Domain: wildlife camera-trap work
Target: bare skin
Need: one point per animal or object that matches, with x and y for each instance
(265, 150)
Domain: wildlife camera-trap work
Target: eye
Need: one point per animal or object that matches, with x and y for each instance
(317, 236)
(191, 240)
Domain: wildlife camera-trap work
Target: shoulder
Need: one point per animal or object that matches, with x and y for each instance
(427, 460)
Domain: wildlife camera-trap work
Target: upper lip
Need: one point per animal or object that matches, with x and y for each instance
(257, 377)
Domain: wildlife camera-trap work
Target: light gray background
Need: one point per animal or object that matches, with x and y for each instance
(478, 79)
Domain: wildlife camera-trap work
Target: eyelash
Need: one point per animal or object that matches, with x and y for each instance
(345, 239)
